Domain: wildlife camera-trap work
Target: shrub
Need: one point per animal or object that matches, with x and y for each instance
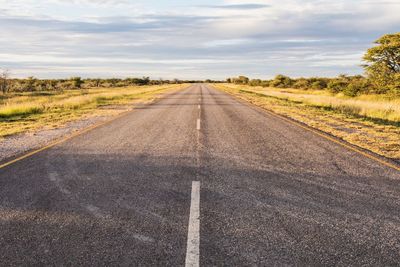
(76, 82)
(318, 85)
(301, 84)
(281, 81)
(356, 87)
(337, 85)
(255, 82)
(241, 80)
(395, 87)
(265, 83)
(352, 89)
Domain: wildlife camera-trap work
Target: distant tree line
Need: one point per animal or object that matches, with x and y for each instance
(33, 84)
(382, 71)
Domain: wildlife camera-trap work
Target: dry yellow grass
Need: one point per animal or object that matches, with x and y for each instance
(371, 122)
(368, 106)
(22, 112)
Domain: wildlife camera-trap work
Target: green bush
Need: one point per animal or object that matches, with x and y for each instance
(348, 85)
(352, 89)
(383, 64)
(395, 86)
(76, 82)
(301, 83)
(255, 82)
(337, 85)
(281, 81)
(318, 85)
(241, 80)
(357, 87)
(265, 83)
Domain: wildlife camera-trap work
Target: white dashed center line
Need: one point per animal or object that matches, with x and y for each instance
(193, 242)
(198, 124)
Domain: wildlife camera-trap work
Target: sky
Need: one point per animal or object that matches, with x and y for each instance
(190, 39)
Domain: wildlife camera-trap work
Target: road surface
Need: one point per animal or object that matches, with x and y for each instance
(199, 178)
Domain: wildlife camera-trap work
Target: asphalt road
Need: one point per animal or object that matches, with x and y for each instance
(270, 193)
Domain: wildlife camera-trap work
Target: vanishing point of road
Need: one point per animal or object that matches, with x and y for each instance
(199, 178)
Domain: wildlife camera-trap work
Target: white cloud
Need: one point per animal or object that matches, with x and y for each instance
(310, 37)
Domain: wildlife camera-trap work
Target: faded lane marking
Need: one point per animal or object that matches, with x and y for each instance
(198, 124)
(95, 211)
(53, 176)
(193, 241)
(143, 238)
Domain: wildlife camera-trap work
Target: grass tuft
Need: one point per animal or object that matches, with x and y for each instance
(10, 111)
(375, 107)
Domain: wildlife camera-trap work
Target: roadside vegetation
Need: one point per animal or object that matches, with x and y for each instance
(32, 84)
(29, 111)
(363, 110)
(381, 109)
(382, 69)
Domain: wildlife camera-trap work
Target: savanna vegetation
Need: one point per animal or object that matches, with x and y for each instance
(32, 84)
(363, 109)
(382, 74)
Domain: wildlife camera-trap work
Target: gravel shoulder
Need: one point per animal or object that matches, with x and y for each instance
(15, 145)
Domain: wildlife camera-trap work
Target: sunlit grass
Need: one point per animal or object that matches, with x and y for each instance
(368, 106)
(34, 103)
(9, 111)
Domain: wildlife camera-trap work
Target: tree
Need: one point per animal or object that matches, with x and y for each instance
(387, 52)
(255, 82)
(301, 83)
(145, 80)
(357, 86)
(4, 80)
(337, 85)
(281, 81)
(241, 80)
(52, 84)
(76, 82)
(96, 82)
(383, 63)
(29, 84)
(318, 85)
